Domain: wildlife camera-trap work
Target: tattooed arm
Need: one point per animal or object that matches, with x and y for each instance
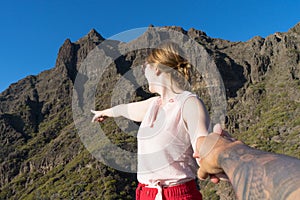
(254, 174)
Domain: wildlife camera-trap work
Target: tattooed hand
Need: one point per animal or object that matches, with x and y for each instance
(254, 174)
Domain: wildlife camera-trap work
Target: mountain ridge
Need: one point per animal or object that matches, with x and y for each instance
(42, 155)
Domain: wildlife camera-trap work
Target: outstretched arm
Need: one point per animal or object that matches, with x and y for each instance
(133, 111)
(254, 174)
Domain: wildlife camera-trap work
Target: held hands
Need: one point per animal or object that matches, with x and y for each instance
(208, 150)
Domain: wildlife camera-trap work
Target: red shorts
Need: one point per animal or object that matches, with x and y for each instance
(185, 191)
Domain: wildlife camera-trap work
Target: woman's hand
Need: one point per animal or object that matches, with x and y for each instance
(99, 116)
(207, 155)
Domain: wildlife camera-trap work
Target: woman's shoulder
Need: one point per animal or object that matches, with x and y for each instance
(191, 100)
(185, 95)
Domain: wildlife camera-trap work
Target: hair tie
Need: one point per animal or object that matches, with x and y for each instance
(183, 65)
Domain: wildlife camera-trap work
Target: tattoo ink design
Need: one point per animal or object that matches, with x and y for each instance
(260, 175)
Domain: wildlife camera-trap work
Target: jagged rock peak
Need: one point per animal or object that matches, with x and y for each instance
(94, 33)
(193, 31)
(295, 29)
(65, 51)
(176, 28)
(67, 42)
(93, 36)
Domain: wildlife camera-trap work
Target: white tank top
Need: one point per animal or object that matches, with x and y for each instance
(165, 153)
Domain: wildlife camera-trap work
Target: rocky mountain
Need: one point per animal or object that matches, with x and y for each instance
(43, 157)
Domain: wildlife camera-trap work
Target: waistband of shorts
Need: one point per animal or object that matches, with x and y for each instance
(172, 190)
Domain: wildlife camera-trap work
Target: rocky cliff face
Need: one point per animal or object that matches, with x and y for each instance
(42, 156)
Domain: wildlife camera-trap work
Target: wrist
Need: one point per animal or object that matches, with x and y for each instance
(229, 154)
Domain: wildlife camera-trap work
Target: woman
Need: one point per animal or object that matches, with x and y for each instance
(170, 124)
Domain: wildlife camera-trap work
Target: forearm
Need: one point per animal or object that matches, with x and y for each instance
(255, 174)
(128, 111)
(118, 111)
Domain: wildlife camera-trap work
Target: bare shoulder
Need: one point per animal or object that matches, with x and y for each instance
(195, 116)
(192, 103)
(194, 108)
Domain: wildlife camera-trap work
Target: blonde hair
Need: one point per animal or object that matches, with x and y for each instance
(168, 57)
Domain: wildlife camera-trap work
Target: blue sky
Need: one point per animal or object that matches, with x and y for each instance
(33, 30)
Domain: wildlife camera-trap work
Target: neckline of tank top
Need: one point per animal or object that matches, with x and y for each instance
(171, 100)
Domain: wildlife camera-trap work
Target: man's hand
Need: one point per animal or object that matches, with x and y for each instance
(209, 148)
(253, 173)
